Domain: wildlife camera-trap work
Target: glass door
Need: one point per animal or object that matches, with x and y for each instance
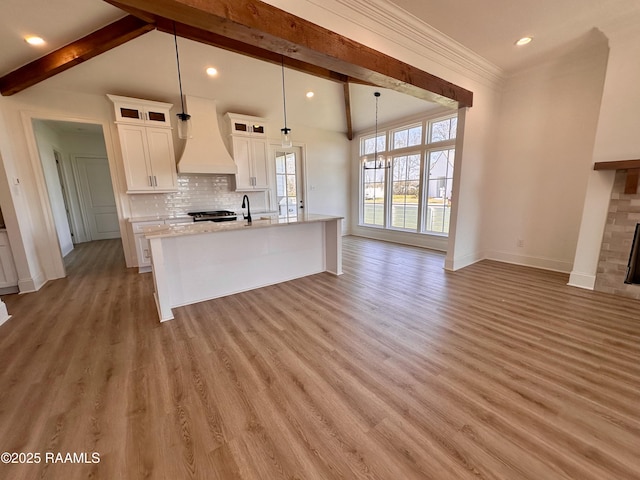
(289, 189)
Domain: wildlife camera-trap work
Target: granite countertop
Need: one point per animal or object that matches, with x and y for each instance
(186, 218)
(213, 227)
(160, 218)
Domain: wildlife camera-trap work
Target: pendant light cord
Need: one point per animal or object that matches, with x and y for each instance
(175, 39)
(284, 96)
(375, 158)
(376, 165)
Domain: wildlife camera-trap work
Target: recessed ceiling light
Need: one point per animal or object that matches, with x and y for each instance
(34, 40)
(212, 72)
(310, 94)
(524, 41)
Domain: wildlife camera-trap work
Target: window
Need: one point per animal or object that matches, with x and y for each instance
(443, 130)
(374, 179)
(439, 185)
(405, 187)
(407, 137)
(408, 186)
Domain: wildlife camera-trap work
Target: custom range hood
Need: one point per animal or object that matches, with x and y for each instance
(205, 152)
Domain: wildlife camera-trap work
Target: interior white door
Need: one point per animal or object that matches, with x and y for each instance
(289, 189)
(98, 201)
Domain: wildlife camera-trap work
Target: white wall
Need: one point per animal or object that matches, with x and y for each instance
(48, 141)
(14, 189)
(539, 174)
(617, 138)
(327, 163)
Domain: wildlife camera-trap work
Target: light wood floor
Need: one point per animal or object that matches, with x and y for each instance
(396, 370)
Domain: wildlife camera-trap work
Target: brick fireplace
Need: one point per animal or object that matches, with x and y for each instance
(620, 227)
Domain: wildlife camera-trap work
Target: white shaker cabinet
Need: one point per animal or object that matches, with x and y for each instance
(143, 252)
(8, 274)
(250, 155)
(147, 145)
(148, 157)
(250, 151)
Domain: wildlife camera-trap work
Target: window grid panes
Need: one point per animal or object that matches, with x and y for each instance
(407, 137)
(373, 186)
(286, 195)
(439, 188)
(412, 192)
(442, 130)
(405, 188)
(368, 146)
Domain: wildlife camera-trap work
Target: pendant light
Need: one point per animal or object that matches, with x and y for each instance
(377, 163)
(285, 132)
(184, 119)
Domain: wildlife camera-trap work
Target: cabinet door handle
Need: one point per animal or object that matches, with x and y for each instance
(150, 181)
(146, 253)
(155, 181)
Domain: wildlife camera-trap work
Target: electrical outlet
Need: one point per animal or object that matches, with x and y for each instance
(520, 243)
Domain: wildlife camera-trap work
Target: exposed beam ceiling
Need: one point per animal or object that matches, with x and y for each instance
(64, 58)
(262, 26)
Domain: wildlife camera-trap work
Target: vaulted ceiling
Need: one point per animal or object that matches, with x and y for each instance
(145, 66)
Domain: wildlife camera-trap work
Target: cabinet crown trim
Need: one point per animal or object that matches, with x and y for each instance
(138, 101)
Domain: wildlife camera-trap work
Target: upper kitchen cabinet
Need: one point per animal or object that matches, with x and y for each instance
(147, 145)
(142, 112)
(246, 125)
(250, 150)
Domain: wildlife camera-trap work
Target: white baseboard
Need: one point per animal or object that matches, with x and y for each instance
(531, 261)
(432, 242)
(582, 280)
(453, 264)
(31, 284)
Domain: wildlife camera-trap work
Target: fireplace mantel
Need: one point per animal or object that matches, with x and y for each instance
(633, 172)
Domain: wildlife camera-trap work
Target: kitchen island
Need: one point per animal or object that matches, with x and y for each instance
(206, 260)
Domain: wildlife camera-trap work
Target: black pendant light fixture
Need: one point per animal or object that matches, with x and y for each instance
(285, 132)
(184, 119)
(377, 162)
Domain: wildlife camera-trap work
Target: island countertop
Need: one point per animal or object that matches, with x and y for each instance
(198, 228)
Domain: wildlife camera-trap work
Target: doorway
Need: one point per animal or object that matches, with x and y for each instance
(78, 183)
(289, 192)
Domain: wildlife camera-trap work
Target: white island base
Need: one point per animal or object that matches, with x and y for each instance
(207, 260)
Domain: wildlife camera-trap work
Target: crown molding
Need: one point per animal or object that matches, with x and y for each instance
(406, 30)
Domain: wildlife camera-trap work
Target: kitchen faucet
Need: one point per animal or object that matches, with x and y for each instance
(247, 217)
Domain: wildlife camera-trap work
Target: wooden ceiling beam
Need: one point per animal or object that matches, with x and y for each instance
(220, 41)
(263, 26)
(347, 110)
(100, 41)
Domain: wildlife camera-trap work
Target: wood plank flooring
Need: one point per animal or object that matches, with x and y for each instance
(395, 370)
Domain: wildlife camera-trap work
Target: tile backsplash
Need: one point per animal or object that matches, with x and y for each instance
(195, 193)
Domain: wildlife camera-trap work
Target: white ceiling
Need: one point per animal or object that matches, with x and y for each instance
(490, 28)
(145, 67)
